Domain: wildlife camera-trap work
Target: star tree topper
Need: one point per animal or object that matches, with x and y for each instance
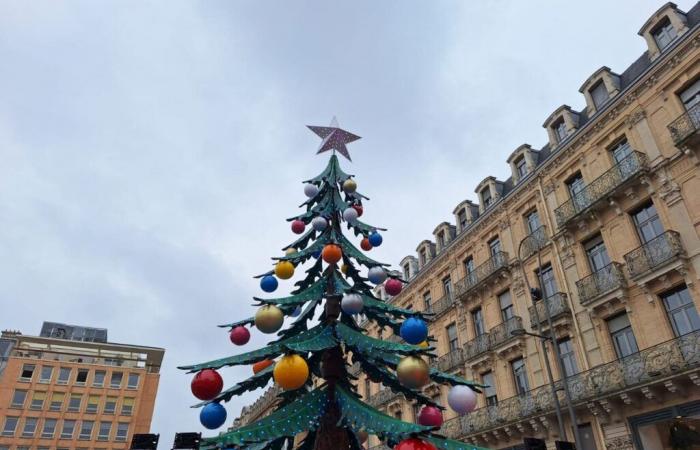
(334, 138)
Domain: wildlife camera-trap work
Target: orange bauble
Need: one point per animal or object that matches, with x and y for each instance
(365, 244)
(262, 365)
(331, 253)
(291, 372)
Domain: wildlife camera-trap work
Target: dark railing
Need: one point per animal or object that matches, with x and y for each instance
(501, 333)
(650, 365)
(477, 346)
(558, 307)
(601, 187)
(534, 241)
(450, 360)
(685, 125)
(354, 369)
(653, 254)
(441, 305)
(601, 282)
(384, 396)
(498, 261)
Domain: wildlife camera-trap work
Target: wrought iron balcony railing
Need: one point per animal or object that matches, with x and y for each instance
(654, 364)
(501, 334)
(686, 125)
(599, 283)
(441, 305)
(534, 241)
(482, 272)
(477, 346)
(382, 397)
(450, 360)
(601, 187)
(654, 254)
(558, 307)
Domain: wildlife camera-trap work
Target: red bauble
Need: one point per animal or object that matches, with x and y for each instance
(365, 245)
(414, 444)
(298, 226)
(207, 384)
(331, 253)
(359, 209)
(430, 416)
(393, 286)
(240, 335)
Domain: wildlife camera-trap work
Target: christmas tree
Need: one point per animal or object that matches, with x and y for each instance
(314, 353)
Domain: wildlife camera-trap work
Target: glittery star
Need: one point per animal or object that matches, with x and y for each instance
(334, 138)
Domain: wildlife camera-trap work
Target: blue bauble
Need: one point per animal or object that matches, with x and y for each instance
(268, 283)
(375, 239)
(212, 416)
(316, 254)
(414, 331)
(296, 312)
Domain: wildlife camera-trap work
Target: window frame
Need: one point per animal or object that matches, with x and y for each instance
(599, 86)
(112, 385)
(14, 404)
(128, 380)
(41, 374)
(7, 432)
(64, 370)
(63, 434)
(27, 379)
(661, 29)
(53, 423)
(452, 341)
(683, 306)
(28, 421)
(519, 373)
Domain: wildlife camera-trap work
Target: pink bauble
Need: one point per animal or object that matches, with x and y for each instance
(298, 226)
(393, 287)
(430, 416)
(240, 335)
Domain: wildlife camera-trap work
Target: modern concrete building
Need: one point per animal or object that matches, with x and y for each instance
(69, 388)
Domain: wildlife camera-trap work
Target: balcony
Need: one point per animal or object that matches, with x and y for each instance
(477, 346)
(655, 255)
(558, 307)
(497, 262)
(684, 130)
(382, 397)
(534, 242)
(449, 361)
(440, 306)
(597, 284)
(501, 334)
(602, 187)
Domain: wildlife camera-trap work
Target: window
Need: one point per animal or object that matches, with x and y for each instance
(478, 321)
(447, 286)
(406, 271)
(495, 246)
(18, 399)
(520, 375)
(10, 426)
(462, 219)
(56, 401)
(68, 429)
(110, 405)
(99, 379)
(93, 404)
(486, 198)
(576, 186)
(469, 268)
(46, 373)
(441, 239)
(116, 381)
(427, 301)
(133, 381)
(568, 358)
(105, 430)
(691, 96)
(621, 151)
(81, 378)
(29, 426)
(74, 402)
(49, 428)
(548, 283)
(647, 222)
(664, 34)
(27, 372)
(122, 431)
(38, 400)
(560, 131)
(490, 389)
(398, 414)
(452, 340)
(521, 167)
(681, 311)
(599, 94)
(532, 219)
(597, 253)
(506, 304)
(127, 406)
(63, 375)
(622, 336)
(86, 429)
(367, 388)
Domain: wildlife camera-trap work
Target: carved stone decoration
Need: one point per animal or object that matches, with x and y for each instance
(619, 443)
(669, 191)
(634, 117)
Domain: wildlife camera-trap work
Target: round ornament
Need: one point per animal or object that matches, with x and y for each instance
(424, 344)
(331, 253)
(393, 287)
(207, 384)
(375, 239)
(350, 215)
(310, 190)
(359, 210)
(212, 416)
(291, 372)
(365, 245)
(430, 416)
(344, 268)
(269, 319)
(376, 275)
(262, 365)
(298, 226)
(240, 335)
(413, 372)
(349, 186)
(268, 283)
(290, 251)
(284, 270)
(352, 303)
(319, 223)
(461, 399)
(316, 254)
(296, 311)
(414, 330)
(414, 444)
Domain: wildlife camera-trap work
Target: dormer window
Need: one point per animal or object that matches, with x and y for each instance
(462, 217)
(559, 128)
(521, 167)
(486, 198)
(423, 257)
(599, 94)
(441, 239)
(664, 34)
(406, 271)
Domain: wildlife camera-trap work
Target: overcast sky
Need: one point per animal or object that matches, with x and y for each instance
(151, 151)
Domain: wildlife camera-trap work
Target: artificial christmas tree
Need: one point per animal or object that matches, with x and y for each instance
(323, 347)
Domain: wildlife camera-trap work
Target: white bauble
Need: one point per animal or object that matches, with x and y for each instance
(319, 223)
(352, 303)
(461, 399)
(310, 190)
(376, 275)
(350, 215)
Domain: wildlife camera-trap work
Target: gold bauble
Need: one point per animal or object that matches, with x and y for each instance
(344, 268)
(269, 319)
(290, 251)
(424, 344)
(291, 372)
(284, 270)
(413, 372)
(349, 186)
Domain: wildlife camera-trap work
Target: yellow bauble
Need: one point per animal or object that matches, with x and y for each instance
(290, 251)
(284, 270)
(344, 268)
(349, 186)
(413, 372)
(269, 319)
(291, 372)
(424, 344)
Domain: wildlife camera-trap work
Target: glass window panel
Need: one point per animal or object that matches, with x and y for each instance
(122, 431)
(10, 426)
(478, 321)
(27, 372)
(46, 373)
(74, 402)
(49, 428)
(116, 380)
(18, 398)
(68, 429)
(127, 406)
(681, 311)
(86, 429)
(691, 96)
(38, 399)
(64, 375)
(599, 93)
(57, 401)
(110, 405)
(452, 339)
(29, 426)
(99, 379)
(506, 304)
(568, 358)
(105, 431)
(490, 391)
